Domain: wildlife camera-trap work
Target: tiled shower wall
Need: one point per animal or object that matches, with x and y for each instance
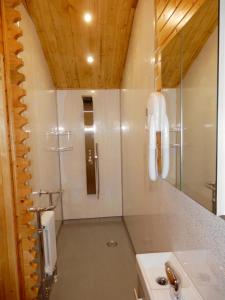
(106, 130)
(42, 115)
(158, 216)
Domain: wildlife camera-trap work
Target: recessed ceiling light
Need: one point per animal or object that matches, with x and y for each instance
(88, 17)
(90, 59)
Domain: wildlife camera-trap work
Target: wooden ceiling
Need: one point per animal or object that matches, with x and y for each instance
(185, 46)
(67, 40)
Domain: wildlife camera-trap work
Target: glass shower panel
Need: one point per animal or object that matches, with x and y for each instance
(172, 96)
(42, 116)
(171, 88)
(44, 155)
(199, 121)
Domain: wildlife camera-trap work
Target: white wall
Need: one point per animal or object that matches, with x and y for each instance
(221, 117)
(199, 107)
(138, 82)
(158, 216)
(76, 203)
(42, 113)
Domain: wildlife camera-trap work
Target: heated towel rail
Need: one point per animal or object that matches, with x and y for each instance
(46, 280)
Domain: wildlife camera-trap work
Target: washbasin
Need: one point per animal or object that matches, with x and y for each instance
(151, 269)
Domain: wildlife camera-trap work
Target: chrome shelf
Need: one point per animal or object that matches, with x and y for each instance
(60, 149)
(60, 133)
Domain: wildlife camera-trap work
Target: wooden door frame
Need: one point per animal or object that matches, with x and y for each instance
(19, 278)
(9, 257)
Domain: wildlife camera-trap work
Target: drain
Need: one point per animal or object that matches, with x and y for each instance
(162, 280)
(112, 244)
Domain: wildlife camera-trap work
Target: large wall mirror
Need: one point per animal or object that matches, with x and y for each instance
(189, 81)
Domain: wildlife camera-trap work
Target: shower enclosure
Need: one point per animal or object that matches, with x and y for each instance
(91, 160)
(192, 105)
(43, 125)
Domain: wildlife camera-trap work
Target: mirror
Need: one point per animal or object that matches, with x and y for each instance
(189, 81)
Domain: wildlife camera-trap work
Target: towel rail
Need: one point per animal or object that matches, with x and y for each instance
(49, 193)
(46, 280)
(41, 209)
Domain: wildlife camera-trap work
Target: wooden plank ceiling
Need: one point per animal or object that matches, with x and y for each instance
(67, 40)
(186, 25)
(172, 15)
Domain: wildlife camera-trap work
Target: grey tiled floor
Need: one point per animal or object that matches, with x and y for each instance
(88, 269)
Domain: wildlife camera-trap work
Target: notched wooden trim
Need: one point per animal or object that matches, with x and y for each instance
(26, 238)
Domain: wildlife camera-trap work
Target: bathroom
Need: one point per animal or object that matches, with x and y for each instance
(112, 149)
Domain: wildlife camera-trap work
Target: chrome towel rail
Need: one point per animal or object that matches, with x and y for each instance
(49, 193)
(41, 209)
(45, 279)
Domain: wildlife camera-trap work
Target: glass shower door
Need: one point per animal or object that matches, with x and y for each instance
(44, 155)
(199, 123)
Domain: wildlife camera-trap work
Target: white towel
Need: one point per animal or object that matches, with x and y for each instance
(49, 238)
(157, 108)
(158, 122)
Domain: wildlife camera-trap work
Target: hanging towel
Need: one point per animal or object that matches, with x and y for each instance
(49, 239)
(158, 122)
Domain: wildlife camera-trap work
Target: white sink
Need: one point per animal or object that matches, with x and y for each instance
(152, 266)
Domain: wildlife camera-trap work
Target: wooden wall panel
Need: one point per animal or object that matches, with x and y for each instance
(24, 230)
(9, 269)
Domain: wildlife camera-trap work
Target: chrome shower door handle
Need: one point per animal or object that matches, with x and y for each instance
(97, 169)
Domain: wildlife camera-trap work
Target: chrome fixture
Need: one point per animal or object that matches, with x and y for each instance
(97, 169)
(46, 280)
(212, 186)
(64, 137)
(91, 148)
(49, 193)
(174, 281)
(175, 129)
(59, 132)
(60, 149)
(175, 145)
(162, 280)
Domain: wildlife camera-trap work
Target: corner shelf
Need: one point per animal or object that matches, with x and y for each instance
(60, 149)
(60, 133)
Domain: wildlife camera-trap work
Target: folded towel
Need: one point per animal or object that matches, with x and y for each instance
(49, 239)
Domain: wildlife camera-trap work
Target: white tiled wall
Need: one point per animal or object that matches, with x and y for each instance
(42, 114)
(76, 203)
